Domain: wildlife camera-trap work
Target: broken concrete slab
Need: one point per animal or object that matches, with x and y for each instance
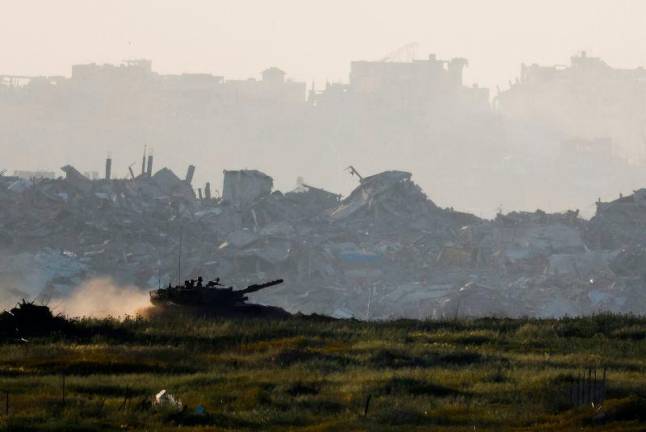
(242, 187)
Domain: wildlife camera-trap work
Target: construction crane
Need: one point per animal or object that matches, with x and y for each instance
(405, 53)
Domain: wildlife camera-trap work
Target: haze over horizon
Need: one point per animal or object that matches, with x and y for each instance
(239, 39)
(463, 157)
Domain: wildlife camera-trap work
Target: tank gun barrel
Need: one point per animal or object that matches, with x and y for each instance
(257, 287)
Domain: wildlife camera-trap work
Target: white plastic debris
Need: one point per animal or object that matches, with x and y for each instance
(164, 399)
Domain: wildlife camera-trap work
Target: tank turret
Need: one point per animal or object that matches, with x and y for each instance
(213, 295)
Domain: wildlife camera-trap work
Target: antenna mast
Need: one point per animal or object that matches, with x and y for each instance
(179, 259)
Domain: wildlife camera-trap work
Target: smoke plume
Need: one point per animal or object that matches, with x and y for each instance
(101, 298)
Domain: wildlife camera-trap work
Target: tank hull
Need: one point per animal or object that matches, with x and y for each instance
(212, 296)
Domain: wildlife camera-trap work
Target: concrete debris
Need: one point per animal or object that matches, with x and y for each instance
(168, 183)
(385, 251)
(245, 186)
(20, 185)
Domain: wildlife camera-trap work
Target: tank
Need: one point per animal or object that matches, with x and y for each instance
(30, 319)
(213, 295)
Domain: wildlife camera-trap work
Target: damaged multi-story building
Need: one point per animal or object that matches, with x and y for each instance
(415, 86)
(415, 115)
(394, 107)
(585, 100)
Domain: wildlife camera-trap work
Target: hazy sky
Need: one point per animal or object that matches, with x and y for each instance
(315, 40)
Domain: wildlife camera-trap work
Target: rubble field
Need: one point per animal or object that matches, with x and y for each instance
(385, 251)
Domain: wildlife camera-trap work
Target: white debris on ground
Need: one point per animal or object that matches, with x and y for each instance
(163, 399)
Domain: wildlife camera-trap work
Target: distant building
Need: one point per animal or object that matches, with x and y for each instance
(190, 82)
(417, 85)
(587, 99)
(129, 69)
(273, 75)
(110, 79)
(272, 88)
(135, 77)
(418, 75)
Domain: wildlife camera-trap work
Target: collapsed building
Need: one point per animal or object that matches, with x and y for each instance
(384, 251)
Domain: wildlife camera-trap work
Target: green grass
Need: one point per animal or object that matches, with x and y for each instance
(315, 375)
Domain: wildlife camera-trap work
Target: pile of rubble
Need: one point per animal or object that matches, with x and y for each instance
(384, 251)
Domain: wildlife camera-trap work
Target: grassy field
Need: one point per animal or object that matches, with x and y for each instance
(311, 374)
